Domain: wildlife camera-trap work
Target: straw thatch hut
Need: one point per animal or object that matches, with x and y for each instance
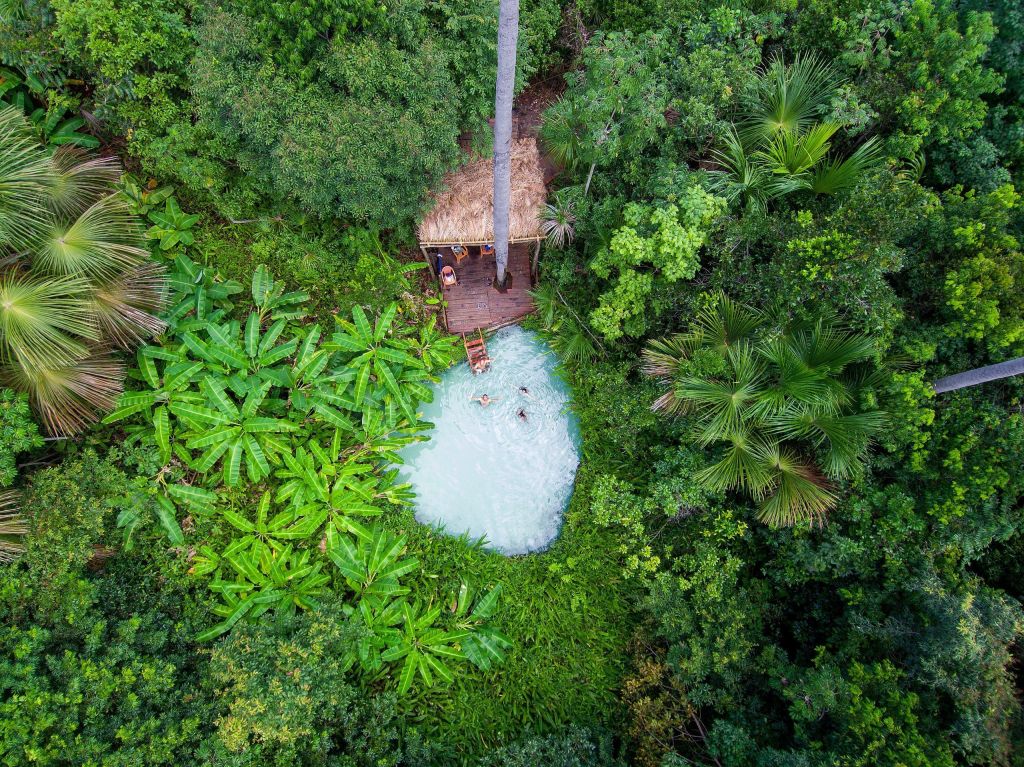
(463, 211)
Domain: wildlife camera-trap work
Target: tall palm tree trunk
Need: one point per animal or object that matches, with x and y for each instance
(977, 376)
(508, 33)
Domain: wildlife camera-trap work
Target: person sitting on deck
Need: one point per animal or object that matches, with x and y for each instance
(448, 277)
(484, 400)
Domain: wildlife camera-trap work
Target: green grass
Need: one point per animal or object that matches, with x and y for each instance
(567, 612)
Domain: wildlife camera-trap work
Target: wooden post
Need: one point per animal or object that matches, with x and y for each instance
(430, 263)
(536, 259)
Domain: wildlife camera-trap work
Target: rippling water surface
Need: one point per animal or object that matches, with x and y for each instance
(486, 471)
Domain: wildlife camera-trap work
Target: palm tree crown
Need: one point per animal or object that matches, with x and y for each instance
(779, 147)
(75, 280)
(783, 403)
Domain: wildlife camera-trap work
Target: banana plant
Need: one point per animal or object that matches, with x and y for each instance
(171, 377)
(271, 299)
(143, 197)
(168, 501)
(381, 633)
(371, 563)
(266, 532)
(424, 648)
(229, 351)
(231, 434)
(375, 354)
(171, 227)
(483, 645)
(434, 348)
(379, 439)
(344, 489)
(281, 580)
(198, 292)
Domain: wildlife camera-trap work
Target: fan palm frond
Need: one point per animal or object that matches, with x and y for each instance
(742, 466)
(12, 526)
(789, 97)
(573, 344)
(26, 176)
(726, 322)
(560, 135)
(126, 308)
(663, 356)
(70, 397)
(79, 182)
(720, 403)
(105, 240)
(836, 175)
(845, 437)
(830, 348)
(545, 298)
(791, 153)
(741, 177)
(800, 494)
(42, 320)
(559, 222)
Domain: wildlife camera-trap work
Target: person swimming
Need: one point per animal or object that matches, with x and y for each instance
(523, 390)
(484, 400)
(521, 414)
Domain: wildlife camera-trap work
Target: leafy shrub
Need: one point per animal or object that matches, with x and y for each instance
(576, 747)
(654, 244)
(18, 433)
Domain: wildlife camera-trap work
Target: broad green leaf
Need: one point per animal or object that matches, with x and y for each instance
(215, 390)
(149, 372)
(167, 515)
(253, 449)
(408, 672)
(233, 464)
(262, 286)
(486, 607)
(333, 416)
(210, 457)
(439, 668)
(237, 521)
(384, 322)
(361, 324)
(252, 335)
(162, 431)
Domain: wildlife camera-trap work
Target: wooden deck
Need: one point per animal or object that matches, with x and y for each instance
(474, 303)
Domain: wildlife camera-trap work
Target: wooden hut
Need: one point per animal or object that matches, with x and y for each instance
(458, 232)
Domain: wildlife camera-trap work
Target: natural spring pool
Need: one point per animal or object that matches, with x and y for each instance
(485, 471)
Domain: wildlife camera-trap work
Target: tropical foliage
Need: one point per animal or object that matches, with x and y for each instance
(780, 147)
(76, 281)
(230, 571)
(787, 402)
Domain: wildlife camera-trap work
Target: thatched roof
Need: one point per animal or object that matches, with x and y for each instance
(463, 211)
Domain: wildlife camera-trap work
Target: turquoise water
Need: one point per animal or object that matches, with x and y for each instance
(485, 471)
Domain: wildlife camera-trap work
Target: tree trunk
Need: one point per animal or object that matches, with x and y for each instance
(508, 33)
(980, 375)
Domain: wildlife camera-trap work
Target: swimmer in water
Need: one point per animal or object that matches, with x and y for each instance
(484, 400)
(521, 415)
(524, 391)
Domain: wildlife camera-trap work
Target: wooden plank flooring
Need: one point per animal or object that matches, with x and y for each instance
(474, 303)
